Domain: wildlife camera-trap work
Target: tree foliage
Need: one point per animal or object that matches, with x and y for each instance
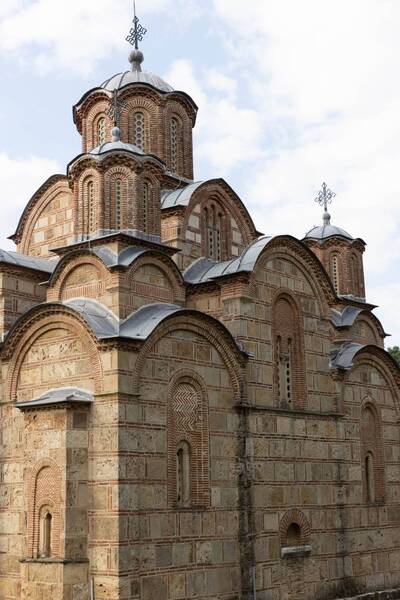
(394, 351)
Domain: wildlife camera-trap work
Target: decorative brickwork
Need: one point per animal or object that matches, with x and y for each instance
(188, 424)
(44, 493)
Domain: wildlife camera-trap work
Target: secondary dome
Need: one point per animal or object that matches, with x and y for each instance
(136, 75)
(325, 231)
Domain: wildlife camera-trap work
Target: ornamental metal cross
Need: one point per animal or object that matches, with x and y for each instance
(115, 108)
(325, 197)
(137, 32)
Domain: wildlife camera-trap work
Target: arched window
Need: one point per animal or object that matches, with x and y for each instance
(45, 530)
(101, 131)
(188, 444)
(146, 206)
(372, 457)
(136, 133)
(289, 372)
(213, 219)
(90, 207)
(174, 144)
(183, 474)
(335, 272)
(118, 202)
(293, 535)
(354, 275)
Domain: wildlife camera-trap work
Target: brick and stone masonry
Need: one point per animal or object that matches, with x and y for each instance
(188, 410)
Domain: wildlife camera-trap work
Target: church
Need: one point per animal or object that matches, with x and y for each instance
(189, 408)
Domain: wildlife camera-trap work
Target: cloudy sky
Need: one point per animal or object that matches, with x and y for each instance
(290, 94)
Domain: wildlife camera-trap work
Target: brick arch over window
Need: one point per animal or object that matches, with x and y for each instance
(178, 140)
(87, 195)
(146, 210)
(118, 193)
(290, 518)
(215, 231)
(139, 122)
(188, 436)
(372, 454)
(288, 352)
(44, 492)
(90, 125)
(32, 326)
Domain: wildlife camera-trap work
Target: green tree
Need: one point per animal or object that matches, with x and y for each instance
(394, 351)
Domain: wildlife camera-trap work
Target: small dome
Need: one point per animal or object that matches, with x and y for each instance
(116, 145)
(323, 232)
(135, 76)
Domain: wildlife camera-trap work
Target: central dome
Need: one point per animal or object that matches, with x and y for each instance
(136, 75)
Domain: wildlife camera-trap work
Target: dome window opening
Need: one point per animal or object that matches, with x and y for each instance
(174, 145)
(137, 129)
(101, 131)
(146, 200)
(118, 198)
(335, 272)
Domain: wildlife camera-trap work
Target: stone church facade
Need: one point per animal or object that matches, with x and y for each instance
(189, 409)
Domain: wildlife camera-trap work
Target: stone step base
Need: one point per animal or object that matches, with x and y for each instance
(384, 595)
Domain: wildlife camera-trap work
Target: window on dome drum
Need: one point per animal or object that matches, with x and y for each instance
(183, 474)
(213, 225)
(146, 206)
(90, 207)
(354, 274)
(118, 201)
(335, 272)
(174, 144)
(101, 131)
(137, 129)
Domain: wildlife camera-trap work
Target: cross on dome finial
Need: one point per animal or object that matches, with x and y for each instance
(115, 108)
(137, 32)
(325, 197)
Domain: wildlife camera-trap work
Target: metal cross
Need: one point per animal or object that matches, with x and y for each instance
(137, 32)
(115, 108)
(325, 197)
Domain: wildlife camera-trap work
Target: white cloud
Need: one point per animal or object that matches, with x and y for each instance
(320, 75)
(226, 135)
(19, 179)
(68, 35)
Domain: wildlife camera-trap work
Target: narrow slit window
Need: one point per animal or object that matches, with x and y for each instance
(91, 214)
(118, 202)
(369, 477)
(284, 376)
(183, 474)
(174, 144)
(146, 203)
(335, 272)
(45, 535)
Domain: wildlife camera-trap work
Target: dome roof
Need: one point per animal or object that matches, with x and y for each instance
(325, 231)
(121, 79)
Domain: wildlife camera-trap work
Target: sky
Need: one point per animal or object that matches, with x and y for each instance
(290, 94)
